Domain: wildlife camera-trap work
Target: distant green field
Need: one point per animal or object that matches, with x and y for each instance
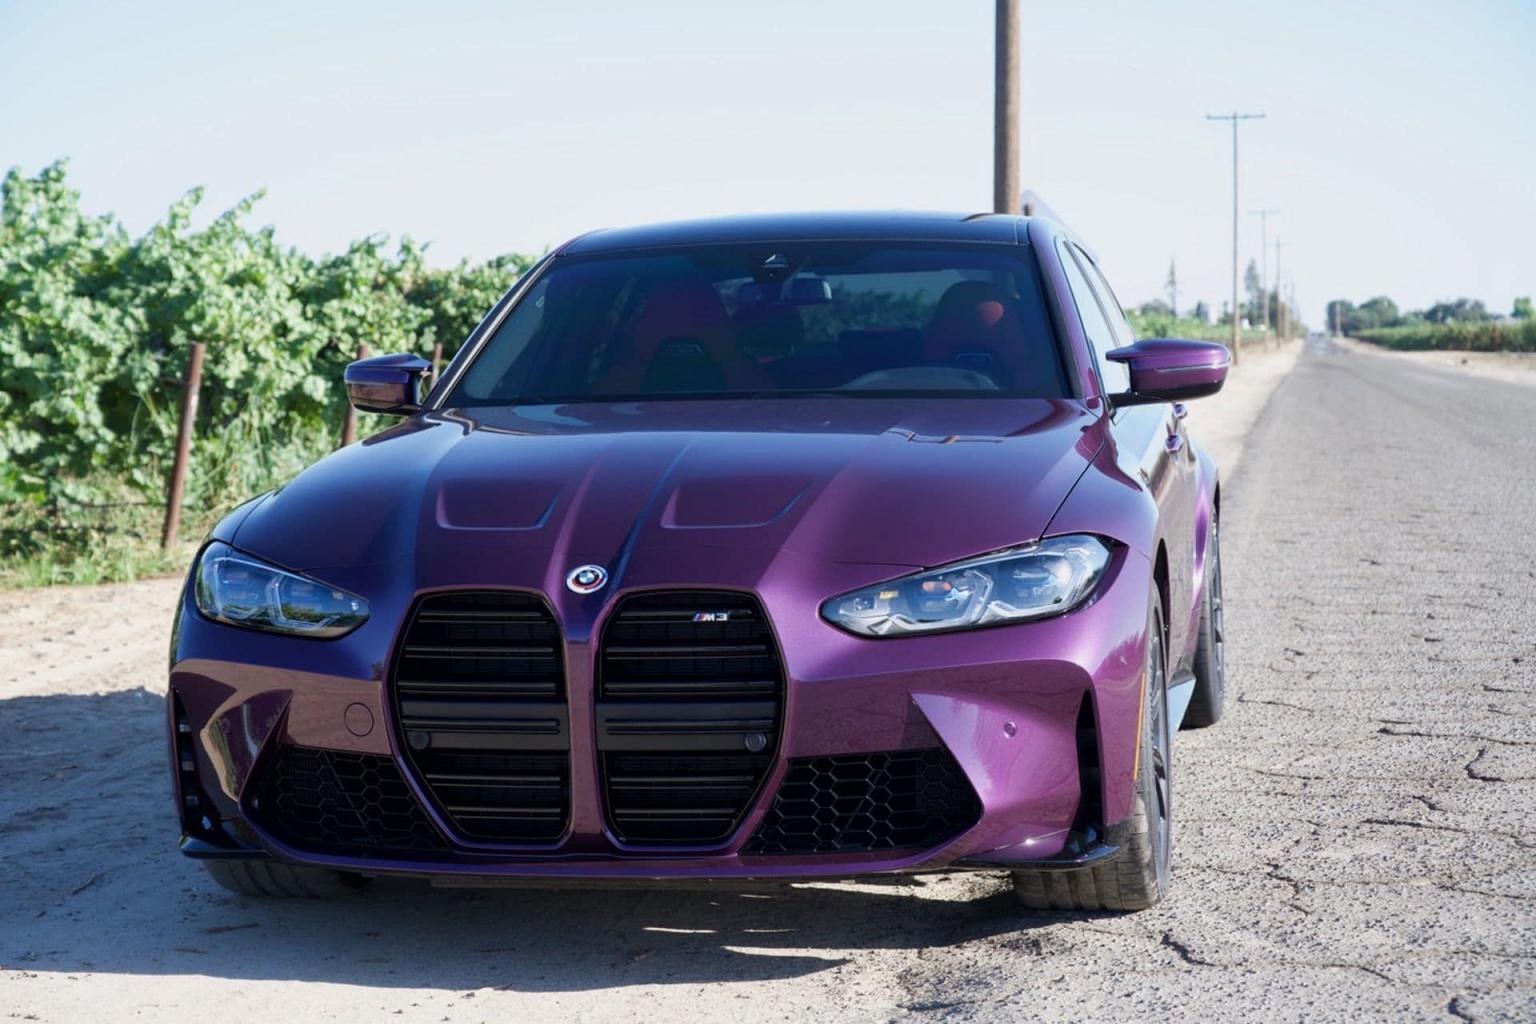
(1184, 327)
(1516, 336)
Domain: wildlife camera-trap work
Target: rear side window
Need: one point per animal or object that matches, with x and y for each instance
(859, 319)
(1101, 336)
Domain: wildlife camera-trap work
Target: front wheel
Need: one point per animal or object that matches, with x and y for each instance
(1205, 704)
(1138, 877)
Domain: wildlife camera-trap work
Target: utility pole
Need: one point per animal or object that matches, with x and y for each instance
(1263, 216)
(1005, 111)
(1277, 280)
(1235, 118)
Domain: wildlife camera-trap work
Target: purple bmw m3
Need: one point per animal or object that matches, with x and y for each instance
(768, 548)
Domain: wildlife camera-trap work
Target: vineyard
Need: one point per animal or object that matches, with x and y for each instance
(96, 327)
(1482, 336)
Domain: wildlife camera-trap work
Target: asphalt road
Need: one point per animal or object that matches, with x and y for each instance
(1356, 840)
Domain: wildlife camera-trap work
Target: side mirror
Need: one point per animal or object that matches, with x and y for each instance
(387, 384)
(1171, 370)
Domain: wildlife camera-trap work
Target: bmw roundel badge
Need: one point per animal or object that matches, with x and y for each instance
(586, 579)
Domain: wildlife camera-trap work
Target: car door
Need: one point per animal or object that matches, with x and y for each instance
(1150, 440)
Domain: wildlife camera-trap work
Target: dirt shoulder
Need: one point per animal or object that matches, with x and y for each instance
(1222, 422)
(1509, 367)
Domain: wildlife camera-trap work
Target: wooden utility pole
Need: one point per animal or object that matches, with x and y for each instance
(1237, 329)
(1282, 325)
(191, 384)
(1263, 216)
(1006, 194)
(349, 425)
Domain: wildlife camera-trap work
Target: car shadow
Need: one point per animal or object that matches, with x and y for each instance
(88, 829)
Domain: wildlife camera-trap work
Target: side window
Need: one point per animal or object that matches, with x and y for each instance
(1101, 336)
(1117, 322)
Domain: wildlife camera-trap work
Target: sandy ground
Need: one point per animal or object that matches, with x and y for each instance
(1506, 367)
(1356, 840)
(1222, 422)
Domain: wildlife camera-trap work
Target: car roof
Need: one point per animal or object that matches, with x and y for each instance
(892, 225)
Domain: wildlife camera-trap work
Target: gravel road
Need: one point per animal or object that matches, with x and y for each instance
(1356, 840)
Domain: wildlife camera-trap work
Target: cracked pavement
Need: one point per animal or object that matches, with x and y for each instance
(1355, 840)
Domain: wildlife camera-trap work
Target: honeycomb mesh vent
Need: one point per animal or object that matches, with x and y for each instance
(863, 802)
(331, 801)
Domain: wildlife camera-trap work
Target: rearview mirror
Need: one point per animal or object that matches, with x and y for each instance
(386, 384)
(1171, 370)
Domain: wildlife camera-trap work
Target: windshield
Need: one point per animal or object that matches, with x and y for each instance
(854, 319)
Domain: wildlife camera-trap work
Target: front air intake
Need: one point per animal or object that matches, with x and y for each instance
(336, 801)
(911, 799)
(479, 696)
(690, 692)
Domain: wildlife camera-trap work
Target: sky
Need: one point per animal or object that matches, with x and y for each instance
(1399, 142)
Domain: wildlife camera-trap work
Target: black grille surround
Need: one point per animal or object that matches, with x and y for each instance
(689, 708)
(867, 802)
(478, 691)
(333, 801)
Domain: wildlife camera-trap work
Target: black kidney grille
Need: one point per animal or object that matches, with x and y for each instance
(331, 801)
(862, 802)
(479, 691)
(689, 708)
(655, 645)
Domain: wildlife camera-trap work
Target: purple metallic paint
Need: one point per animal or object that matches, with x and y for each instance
(1174, 368)
(795, 501)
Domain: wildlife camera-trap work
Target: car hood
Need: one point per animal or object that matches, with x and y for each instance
(540, 489)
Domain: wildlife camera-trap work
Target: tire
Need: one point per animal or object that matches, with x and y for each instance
(1138, 877)
(1206, 705)
(269, 880)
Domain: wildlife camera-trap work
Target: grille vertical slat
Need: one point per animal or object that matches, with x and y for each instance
(479, 692)
(690, 698)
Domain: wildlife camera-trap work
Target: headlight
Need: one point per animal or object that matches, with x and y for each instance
(235, 588)
(1034, 582)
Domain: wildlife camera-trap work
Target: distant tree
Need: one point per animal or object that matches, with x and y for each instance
(1378, 312)
(1202, 312)
(1255, 288)
(1462, 310)
(1155, 307)
(1171, 286)
(1523, 309)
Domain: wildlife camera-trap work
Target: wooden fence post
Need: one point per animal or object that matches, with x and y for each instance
(190, 386)
(349, 425)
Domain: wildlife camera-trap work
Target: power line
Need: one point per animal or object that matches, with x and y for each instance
(1235, 118)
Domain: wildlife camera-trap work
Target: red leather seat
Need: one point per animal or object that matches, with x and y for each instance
(975, 326)
(681, 340)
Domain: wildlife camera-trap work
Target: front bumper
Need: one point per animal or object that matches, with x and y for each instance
(1007, 707)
